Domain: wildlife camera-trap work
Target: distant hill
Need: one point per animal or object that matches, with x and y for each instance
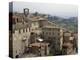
(68, 23)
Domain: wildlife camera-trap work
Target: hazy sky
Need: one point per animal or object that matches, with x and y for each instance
(62, 10)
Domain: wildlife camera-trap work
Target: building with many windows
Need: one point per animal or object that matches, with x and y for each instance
(25, 31)
(53, 35)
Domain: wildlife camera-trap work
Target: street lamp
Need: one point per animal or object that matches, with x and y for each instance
(40, 40)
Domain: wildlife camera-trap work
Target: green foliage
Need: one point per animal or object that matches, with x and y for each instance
(68, 23)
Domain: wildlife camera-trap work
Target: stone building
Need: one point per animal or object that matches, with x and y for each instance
(20, 38)
(67, 49)
(26, 28)
(40, 49)
(21, 33)
(54, 36)
(68, 43)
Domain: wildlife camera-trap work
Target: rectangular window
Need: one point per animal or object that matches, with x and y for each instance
(19, 31)
(58, 33)
(46, 32)
(23, 30)
(26, 30)
(43, 32)
(32, 29)
(53, 33)
(17, 19)
(54, 38)
(49, 33)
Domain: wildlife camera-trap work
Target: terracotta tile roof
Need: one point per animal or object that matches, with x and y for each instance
(67, 44)
(38, 44)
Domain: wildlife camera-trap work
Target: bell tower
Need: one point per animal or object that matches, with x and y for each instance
(26, 11)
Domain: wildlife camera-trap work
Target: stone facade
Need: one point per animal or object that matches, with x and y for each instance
(53, 35)
(68, 43)
(26, 30)
(20, 40)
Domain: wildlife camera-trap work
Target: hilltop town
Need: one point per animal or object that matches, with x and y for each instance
(32, 35)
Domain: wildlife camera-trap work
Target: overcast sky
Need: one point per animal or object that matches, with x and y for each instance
(61, 10)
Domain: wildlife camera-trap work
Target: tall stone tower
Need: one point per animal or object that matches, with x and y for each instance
(26, 11)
